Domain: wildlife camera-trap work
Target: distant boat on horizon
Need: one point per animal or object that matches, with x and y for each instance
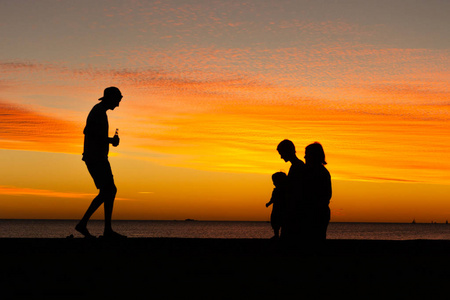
(414, 221)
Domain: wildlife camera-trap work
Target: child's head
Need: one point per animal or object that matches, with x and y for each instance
(279, 178)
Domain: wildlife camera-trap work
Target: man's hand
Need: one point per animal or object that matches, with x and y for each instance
(115, 141)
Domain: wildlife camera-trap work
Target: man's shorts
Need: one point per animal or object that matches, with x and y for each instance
(100, 171)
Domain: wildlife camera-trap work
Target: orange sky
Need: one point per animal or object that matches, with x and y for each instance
(210, 88)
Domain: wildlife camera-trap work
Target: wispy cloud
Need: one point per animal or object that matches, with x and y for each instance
(21, 128)
(23, 191)
(20, 191)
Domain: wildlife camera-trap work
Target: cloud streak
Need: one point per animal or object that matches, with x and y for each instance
(22, 128)
(22, 191)
(19, 191)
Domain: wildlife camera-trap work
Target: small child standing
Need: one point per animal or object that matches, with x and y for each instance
(278, 200)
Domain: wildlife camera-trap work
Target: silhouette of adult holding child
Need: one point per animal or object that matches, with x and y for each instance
(95, 155)
(308, 193)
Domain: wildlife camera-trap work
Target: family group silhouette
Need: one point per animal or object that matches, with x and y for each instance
(300, 198)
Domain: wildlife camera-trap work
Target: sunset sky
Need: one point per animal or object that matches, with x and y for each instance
(210, 88)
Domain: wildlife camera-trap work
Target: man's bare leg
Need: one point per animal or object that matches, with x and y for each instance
(81, 227)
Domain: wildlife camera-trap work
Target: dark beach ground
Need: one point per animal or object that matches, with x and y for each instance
(222, 268)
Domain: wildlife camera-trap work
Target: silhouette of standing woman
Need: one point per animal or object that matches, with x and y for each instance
(95, 155)
(317, 191)
(292, 219)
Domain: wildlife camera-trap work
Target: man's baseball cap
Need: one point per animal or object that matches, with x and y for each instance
(110, 92)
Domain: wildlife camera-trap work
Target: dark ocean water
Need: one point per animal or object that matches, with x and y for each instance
(219, 229)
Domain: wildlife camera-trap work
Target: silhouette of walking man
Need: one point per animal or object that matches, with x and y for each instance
(95, 155)
(292, 223)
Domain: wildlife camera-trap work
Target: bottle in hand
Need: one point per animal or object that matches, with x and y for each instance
(116, 139)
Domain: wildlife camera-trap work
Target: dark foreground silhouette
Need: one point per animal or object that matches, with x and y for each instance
(95, 155)
(305, 212)
(222, 268)
(278, 201)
